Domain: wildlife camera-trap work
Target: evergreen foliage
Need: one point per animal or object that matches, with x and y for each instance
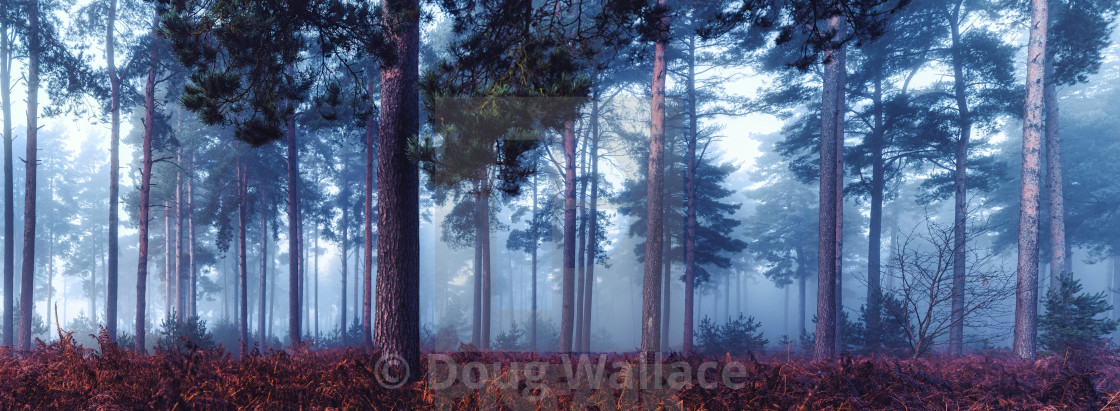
(739, 337)
(191, 332)
(1071, 321)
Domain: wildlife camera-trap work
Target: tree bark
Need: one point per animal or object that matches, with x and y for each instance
(482, 235)
(825, 344)
(114, 172)
(344, 244)
(651, 285)
(315, 275)
(569, 257)
(666, 275)
(840, 56)
(145, 195)
(50, 260)
(581, 250)
(367, 246)
(1114, 290)
(802, 278)
(27, 280)
(293, 234)
(357, 286)
(1055, 200)
(875, 225)
(180, 278)
(533, 298)
(398, 213)
(264, 272)
(304, 323)
(1026, 290)
(93, 289)
(9, 186)
(272, 291)
(960, 222)
(192, 280)
(242, 264)
(690, 197)
(667, 255)
(476, 323)
(592, 223)
(167, 262)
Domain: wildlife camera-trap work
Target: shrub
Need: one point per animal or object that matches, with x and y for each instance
(1070, 323)
(736, 337)
(85, 330)
(891, 333)
(192, 330)
(513, 339)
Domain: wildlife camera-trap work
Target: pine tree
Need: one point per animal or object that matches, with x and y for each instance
(1071, 320)
(1026, 293)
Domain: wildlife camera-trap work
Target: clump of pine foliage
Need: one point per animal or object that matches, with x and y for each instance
(736, 337)
(1071, 322)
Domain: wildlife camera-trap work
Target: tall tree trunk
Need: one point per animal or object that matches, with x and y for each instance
(1055, 200)
(272, 290)
(569, 257)
(740, 298)
(690, 197)
(398, 180)
(357, 286)
(27, 280)
(727, 296)
(840, 55)
(293, 234)
(592, 223)
(536, 240)
(261, 332)
(666, 276)
(9, 186)
(667, 254)
(305, 323)
(894, 249)
(167, 261)
(344, 244)
(802, 278)
(242, 263)
(315, 274)
(482, 233)
(581, 250)
(180, 277)
(1026, 290)
(50, 262)
(875, 225)
(192, 293)
(1114, 290)
(476, 324)
(114, 171)
(367, 250)
(93, 290)
(825, 345)
(145, 194)
(960, 217)
(651, 285)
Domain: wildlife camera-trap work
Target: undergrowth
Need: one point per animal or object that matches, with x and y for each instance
(63, 375)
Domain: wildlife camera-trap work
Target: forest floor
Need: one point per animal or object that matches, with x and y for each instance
(62, 376)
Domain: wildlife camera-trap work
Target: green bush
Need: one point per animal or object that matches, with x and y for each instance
(1070, 324)
(736, 337)
(192, 330)
(513, 339)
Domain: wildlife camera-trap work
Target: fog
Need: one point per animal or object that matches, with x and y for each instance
(738, 113)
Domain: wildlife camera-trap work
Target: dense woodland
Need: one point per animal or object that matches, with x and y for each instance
(810, 177)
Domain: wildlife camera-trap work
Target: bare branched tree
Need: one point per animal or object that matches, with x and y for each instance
(923, 266)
